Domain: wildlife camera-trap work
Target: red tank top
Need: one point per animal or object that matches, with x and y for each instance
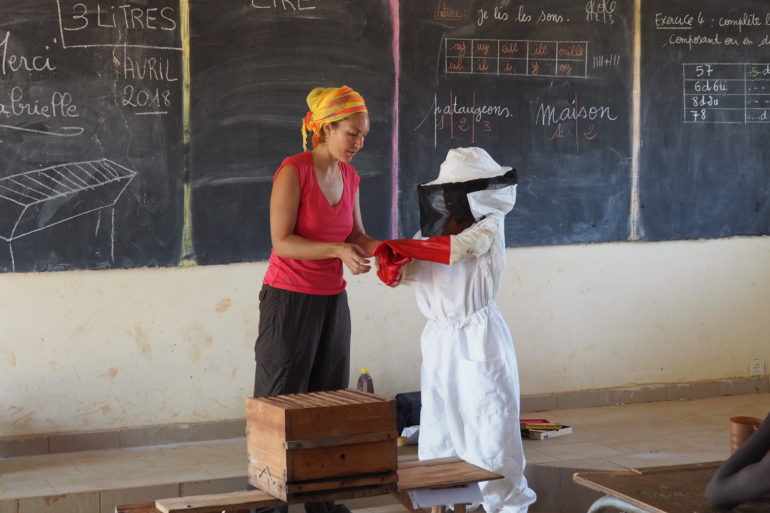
(317, 220)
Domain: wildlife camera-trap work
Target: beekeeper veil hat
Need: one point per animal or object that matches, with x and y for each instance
(458, 191)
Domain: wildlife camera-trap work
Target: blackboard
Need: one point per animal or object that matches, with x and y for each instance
(253, 63)
(544, 87)
(90, 135)
(147, 133)
(706, 119)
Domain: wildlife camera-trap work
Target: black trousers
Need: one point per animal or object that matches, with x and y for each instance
(303, 345)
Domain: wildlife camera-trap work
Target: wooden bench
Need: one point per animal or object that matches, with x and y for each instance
(417, 475)
(672, 489)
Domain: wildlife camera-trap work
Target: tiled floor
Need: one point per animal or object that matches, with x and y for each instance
(631, 436)
(610, 437)
(644, 434)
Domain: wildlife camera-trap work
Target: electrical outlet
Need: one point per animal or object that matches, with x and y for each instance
(757, 367)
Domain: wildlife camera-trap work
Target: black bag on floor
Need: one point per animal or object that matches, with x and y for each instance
(407, 410)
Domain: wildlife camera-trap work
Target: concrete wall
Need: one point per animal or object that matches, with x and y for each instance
(102, 350)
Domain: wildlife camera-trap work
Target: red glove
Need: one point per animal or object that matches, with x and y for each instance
(389, 270)
(395, 253)
(435, 249)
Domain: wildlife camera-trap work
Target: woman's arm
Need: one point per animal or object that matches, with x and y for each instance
(284, 205)
(358, 236)
(746, 474)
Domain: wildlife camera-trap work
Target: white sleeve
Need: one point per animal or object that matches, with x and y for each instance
(473, 242)
(407, 273)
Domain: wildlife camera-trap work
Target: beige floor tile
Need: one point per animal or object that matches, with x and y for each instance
(76, 503)
(711, 439)
(226, 468)
(111, 498)
(706, 456)
(648, 459)
(117, 480)
(647, 445)
(27, 487)
(154, 476)
(629, 432)
(210, 486)
(588, 464)
(114, 467)
(35, 465)
(196, 455)
(9, 506)
(71, 484)
(42, 474)
(535, 457)
(580, 451)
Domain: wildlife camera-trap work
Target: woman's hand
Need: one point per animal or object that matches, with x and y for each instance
(354, 257)
(369, 245)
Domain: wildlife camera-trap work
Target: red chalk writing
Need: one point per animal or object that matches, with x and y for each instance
(516, 57)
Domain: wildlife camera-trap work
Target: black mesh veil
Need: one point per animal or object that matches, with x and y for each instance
(441, 201)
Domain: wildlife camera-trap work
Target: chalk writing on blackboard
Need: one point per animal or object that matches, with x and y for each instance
(576, 120)
(466, 122)
(596, 11)
(712, 29)
(145, 34)
(17, 104)
(610, 60)
(285, 5)
(548, 115)
(516, 57)
(705, 97)
(96, 23)
(13, 62)
(445, 12)
(726, 93)
(463, 121)
(58, 106)
(601, 11)
(40, 199)
(146, 82)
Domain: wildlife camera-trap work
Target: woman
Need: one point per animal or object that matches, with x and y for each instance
(316, 227)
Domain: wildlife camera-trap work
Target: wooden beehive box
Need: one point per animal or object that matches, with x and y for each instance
(305, 444)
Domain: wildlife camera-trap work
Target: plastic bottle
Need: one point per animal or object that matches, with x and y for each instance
(365, 382)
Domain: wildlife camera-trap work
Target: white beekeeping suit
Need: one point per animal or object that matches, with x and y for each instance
(470, 381)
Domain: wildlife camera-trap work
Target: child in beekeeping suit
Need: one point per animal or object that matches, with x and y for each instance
(469, 377)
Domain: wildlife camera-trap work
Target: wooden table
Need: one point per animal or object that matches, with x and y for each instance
(417, 475)
(672, 489)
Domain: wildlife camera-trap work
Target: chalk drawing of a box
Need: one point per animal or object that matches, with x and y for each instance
(43, 198)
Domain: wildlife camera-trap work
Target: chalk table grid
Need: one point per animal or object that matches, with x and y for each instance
(726, 93)
(516, 57)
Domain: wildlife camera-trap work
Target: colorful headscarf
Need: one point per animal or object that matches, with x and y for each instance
(329, 104)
